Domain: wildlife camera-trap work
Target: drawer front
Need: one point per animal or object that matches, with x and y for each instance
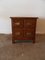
(29, 23)
(18, 34)
(17, 23)
(28, 34)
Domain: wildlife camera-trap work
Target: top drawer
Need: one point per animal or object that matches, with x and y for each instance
(17, 22)
(29, 23)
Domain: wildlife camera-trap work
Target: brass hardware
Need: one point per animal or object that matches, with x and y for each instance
(17, 33)
(29, 23)
(18, 23)
(28, 33)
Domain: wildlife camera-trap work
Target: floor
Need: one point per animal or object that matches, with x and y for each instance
(22, 51)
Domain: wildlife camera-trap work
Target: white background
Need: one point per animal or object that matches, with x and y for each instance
(29, 8)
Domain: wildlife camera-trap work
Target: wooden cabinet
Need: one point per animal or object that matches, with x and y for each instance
(23, 28)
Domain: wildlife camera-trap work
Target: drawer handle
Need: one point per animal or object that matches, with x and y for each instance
(28, 33)
(17, 23)
(29, 24)
(17, 33)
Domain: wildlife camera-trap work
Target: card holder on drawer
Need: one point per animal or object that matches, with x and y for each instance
(28, 34)
(29, 24)
(17, 33)
(17, 23)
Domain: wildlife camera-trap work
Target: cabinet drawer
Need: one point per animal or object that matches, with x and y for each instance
(29, 23)
(18, 34)
(17, 23)
(28, 34)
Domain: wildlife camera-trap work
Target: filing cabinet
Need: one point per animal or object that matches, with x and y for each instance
(23, 28)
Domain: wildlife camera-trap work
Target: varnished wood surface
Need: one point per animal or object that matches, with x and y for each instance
(23, 28)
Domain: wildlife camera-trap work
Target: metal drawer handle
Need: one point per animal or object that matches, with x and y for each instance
(28, 33)
(17, 33)
(18, 23)
(29, 24)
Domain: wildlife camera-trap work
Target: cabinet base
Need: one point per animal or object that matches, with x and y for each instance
(13, 41)
(33, 41)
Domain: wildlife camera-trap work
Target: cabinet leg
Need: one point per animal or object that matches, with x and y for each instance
(33, 41)
(13, 41)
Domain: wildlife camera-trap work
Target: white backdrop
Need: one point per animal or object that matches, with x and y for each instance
(19, 8)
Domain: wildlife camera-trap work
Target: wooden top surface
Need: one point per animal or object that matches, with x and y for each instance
(25, 17)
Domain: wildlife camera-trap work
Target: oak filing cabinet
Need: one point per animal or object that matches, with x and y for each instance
(23, 28)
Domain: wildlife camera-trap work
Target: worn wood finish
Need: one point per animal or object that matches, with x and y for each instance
(23, 28)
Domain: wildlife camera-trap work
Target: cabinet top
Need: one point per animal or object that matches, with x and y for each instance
(25, 17)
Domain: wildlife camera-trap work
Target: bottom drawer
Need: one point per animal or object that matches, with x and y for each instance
(28, 34)
(18, 34)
